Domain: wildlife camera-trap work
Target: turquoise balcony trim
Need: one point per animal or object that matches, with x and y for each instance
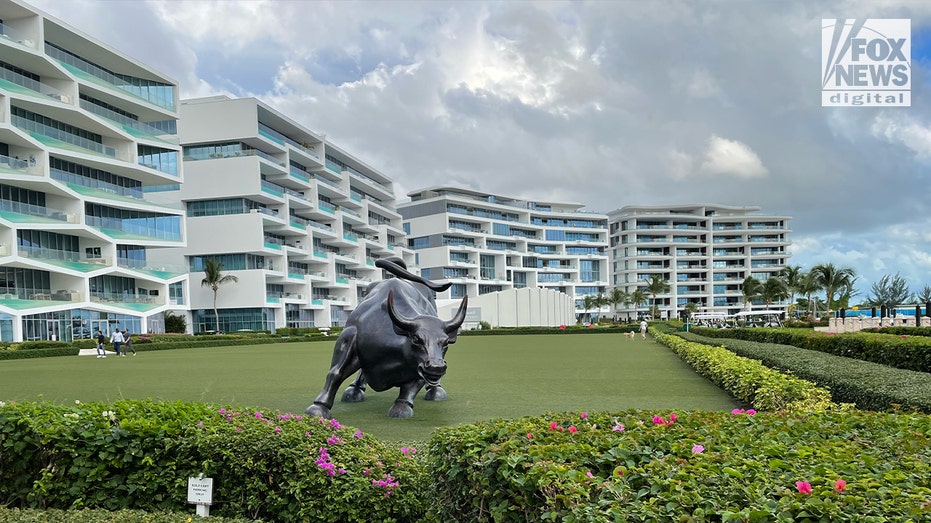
(275, 246)
(320, 255)
(295, 276)
(271, 191)
(266, 134)
(316, 302)
(350, 237)
(343, 281)
(272, 299)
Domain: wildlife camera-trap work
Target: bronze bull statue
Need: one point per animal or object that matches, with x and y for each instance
(395, 339)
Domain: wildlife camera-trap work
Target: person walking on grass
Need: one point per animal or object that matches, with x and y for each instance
(128, 342)
(643, 329)
(101, 344)
(117, 340)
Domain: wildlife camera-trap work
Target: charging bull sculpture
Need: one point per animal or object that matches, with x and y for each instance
(395, 339)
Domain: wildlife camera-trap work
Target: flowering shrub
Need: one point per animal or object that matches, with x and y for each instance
(704, 466)
(265, 464)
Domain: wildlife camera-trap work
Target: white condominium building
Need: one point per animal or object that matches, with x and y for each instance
(84, 131)
(298, 220)
(486, 243)
(703, 252)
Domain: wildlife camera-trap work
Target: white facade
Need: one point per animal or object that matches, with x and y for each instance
(704, 252)
(485, 243)
(84, 132)
(297, 220)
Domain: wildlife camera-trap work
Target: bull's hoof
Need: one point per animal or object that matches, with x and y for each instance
(437, 393)
(401, 409)
(353, 394)
(318, 410)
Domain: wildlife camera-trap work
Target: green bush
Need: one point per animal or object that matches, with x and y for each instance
(138, 455)
(900, 351)
(104, 516)
(67, 350)
(867, 385)
(746, 379)
(637, 466)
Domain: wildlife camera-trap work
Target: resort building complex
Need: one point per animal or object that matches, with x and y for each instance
(115, 196)
(703, 252)
(484, 243)
(297, 220)
(84, 131)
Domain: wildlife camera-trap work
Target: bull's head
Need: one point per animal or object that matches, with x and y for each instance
(429, 337)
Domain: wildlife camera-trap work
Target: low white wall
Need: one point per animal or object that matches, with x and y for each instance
(528, 307)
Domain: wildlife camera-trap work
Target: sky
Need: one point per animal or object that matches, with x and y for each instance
(604, 103)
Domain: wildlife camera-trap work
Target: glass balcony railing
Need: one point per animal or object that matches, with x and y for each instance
(63, 136)
(272, 188)
(100, 185)
(19, 83)
(162, 95)
(118, 298)
(134, 127)
(45, 253)
(36, 211)
(18, 166)
(136, 227)
(327, 206)
(327, 181)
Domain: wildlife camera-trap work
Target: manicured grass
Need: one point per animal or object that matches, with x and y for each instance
(488, 377)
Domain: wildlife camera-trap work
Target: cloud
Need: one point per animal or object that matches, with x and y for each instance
(732, 158)
(904, 130)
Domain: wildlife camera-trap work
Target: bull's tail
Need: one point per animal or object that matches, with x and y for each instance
(397, 267)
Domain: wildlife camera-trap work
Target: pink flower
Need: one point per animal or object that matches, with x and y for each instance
(335, 424)
(672, 417)
(277, 430)
(840, 485)
(572, 429)
(222, 411)
(358, 434)
(804, 487)
(738, 411)
(584, 415)
(697, 449)
(529, 436)
(553, 425)
(658, 420)
(751, 412)
(334, 440)
(258, 415)
(618, 426)
(405, 450)
(589, 474)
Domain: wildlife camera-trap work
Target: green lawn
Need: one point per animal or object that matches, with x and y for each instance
(488, 377)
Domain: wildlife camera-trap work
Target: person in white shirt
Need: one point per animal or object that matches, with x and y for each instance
(643, 329)
(116, 338)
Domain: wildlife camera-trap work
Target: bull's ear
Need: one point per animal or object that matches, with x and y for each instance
(452, 326)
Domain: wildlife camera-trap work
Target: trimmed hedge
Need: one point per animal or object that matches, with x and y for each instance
(638, 466)
(574, 329)
(139, 454)
(38, 353)
(746, 379)
(900, 351)
(867, 385)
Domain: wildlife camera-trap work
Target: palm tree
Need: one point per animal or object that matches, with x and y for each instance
(656, 285)
(588, 303)
(617, 297)
(637, 298)
(792, 275)
(833, 279)
(213, 278)
(808, 284)
(773, 289)
(690, 309)
(751, 288)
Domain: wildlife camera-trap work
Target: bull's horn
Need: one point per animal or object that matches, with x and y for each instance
(453, 325)
(402, 322)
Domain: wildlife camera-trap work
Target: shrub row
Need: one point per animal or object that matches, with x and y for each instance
(637, 466)
(572, 329)
(266, 465)
(600, 467)
(746, 379)
(867, 385)
(38, 353)
(102, 516)
(900, 351)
